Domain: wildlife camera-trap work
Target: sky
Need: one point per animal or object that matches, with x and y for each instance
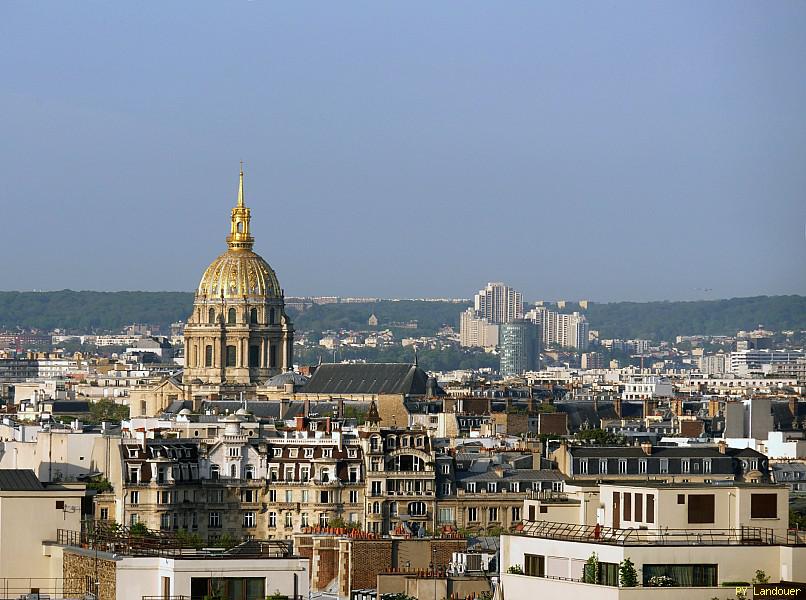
(600, 150)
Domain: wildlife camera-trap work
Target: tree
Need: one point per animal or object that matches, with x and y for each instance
(628, 577)
(600, 437)
(761, 577)
(106, 410)
(138, 529)
(590, 572)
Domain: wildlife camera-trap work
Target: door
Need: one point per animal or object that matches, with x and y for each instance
(166, 588)
(616, 510)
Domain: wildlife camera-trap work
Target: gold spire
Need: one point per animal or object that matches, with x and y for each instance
(240, 188)
(239, 238)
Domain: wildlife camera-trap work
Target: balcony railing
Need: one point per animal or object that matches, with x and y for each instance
(746, 536)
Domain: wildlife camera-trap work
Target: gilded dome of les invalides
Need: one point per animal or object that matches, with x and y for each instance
(239, 272)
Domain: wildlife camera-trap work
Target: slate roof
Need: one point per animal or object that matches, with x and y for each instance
(71, 406)
(580, 411)
(19, 480)
(369, 378)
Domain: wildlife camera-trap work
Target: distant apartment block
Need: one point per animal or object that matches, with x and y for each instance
(475, 331)
(499, 303)
(560, 329)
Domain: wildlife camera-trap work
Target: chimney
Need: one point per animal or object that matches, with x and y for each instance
(306, 408)
(327, 424)
(647, 448)
(793, 406)
(677, 407)
(300, 421)
(713, 407)
(283, 408)
(647, 407)
(722, 446)
(341, 408)
(617, 405)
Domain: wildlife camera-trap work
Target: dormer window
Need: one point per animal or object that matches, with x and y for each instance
(391, 442)
(327, 452)
(352, 453)
(277, 452)
(492, 487)
(470, 487)
(293, 452)
(308, 452)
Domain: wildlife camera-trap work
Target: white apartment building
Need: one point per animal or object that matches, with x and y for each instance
(475, 331)
(714, 364)
(560, 329)
(743, 362)
(695, 537)
(499, 303)
(647, 388)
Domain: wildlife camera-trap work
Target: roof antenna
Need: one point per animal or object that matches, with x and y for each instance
(415, 357)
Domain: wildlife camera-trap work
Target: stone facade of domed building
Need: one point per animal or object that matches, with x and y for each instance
(238, 335)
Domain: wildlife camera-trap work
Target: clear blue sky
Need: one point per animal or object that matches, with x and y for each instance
(626, 150)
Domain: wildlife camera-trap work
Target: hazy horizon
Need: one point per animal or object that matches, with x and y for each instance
(622, 151)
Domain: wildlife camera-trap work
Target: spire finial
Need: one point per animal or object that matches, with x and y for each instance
(240, 188)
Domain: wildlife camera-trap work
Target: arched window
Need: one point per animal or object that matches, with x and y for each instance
(253, 315)
(233, 470)
(325, 475)
(249, 472)
(231, 316)
(240, 226)
(231, 356)
(211, 316)
(271, 316)
(208, 356)
(215, 471)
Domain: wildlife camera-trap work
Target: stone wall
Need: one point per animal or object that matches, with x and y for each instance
(79, 575)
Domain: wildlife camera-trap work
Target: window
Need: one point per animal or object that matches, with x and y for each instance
(303, 520)
(134, 519)
(535, 565)
(233, 470)
(254, 356)
(165, 521)
(271, 316)
(104, 514)
(492, 487)
(253, 315)
(445, 515)
(603, 466)
(681, 498)
(515, 487)
(627, 514)
(246, 496)
(249, 519)
(375, 489)
(134, 498)
(277, 452)
(622, 466)
(289, 496)
(583, 466)
(353, 496)
(701, 508)
(272, 519)
(208, 356)
(642, 465)
(272, 355)
(215, 471)
(289, 473)
(445, 469)
(685, 465)
(308, 452)
(327, 452)
(650, 508)
(304, 473)
(763, 506)
(639, 507)
(470, 487)
(249, 472)
(214, 520)
(211, 316)
(683, 575)
(231, 316)
(231, 356)
(472, 514)
(305, 496)
(706, 465)
(492, 514)
(288, 522)
(516, 514)
(446, 489)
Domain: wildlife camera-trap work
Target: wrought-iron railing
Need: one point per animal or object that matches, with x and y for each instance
(109, 537)
(749, 536)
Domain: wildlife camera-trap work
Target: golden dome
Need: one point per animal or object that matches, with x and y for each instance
(238, 273)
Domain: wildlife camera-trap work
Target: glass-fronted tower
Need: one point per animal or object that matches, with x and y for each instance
(518, 346)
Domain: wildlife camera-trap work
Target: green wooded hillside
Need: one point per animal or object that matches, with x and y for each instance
(109, 311)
